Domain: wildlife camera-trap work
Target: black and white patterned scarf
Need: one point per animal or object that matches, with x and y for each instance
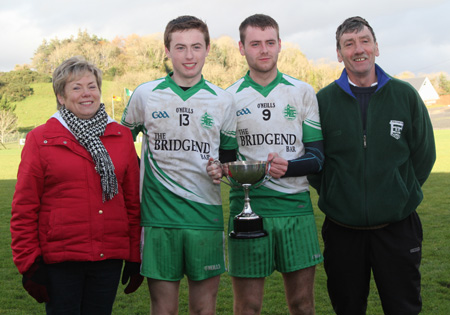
(88, 132)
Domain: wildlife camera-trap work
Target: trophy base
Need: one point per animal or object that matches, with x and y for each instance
(248, 228)
(241, 235)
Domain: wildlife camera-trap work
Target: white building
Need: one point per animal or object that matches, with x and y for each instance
(425, 88)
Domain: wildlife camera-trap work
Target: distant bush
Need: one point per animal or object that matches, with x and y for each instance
(17, 92)
(15, 84)
(24, 76)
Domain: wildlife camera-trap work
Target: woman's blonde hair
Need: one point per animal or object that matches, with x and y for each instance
(71, 69)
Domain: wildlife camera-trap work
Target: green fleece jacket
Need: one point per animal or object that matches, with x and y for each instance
(375, 176)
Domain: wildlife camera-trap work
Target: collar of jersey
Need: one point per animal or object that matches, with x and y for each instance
(184, 95)
(264, 90)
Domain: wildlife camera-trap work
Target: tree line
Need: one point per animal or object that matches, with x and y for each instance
(129, 59)
(124, 57)
(132, 60)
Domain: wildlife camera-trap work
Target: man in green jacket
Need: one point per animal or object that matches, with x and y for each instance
(379, 150)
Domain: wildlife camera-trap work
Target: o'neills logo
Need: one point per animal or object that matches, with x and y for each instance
(212, 267)
(270, 138)
(182, 145)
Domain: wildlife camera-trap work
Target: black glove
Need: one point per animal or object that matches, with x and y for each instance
(132, 272)
(34, 280)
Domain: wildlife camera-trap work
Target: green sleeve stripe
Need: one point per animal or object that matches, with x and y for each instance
(312, 131)
(312, 123)
(135, 128)
(231, 134)
(227, 142)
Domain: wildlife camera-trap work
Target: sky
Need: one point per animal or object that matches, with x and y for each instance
(412, 35)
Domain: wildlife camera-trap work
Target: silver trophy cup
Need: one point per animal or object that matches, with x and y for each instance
(245, 174)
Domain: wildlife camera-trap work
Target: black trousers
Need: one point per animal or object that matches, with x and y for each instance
(83, 287)
(392, 253)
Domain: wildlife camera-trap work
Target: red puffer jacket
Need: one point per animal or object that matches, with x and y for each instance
(57, 208)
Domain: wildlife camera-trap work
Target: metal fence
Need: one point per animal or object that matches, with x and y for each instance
(17, 137)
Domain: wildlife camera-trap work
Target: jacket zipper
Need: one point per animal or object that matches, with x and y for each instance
(364, 178)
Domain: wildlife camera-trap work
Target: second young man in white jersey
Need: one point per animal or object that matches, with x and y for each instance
(277, 121)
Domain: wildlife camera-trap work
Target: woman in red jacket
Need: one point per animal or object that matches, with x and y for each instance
(75, 210)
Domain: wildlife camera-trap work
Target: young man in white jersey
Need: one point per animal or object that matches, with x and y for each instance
(185, 121)
(278, 121)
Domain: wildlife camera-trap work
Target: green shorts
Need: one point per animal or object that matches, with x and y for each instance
(169, 254)
(291, 244)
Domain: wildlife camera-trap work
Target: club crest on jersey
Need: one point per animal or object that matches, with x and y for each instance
(290, 113)
(207, 121)
(396, 128)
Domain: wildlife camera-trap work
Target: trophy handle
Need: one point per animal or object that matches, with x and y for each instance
(266, 178)
(228, 182)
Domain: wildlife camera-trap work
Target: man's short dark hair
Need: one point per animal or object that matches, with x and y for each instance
(184, 23)
(350, 25)
(261, 21)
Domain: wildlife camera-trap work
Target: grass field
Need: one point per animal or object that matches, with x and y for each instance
(434, 212)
